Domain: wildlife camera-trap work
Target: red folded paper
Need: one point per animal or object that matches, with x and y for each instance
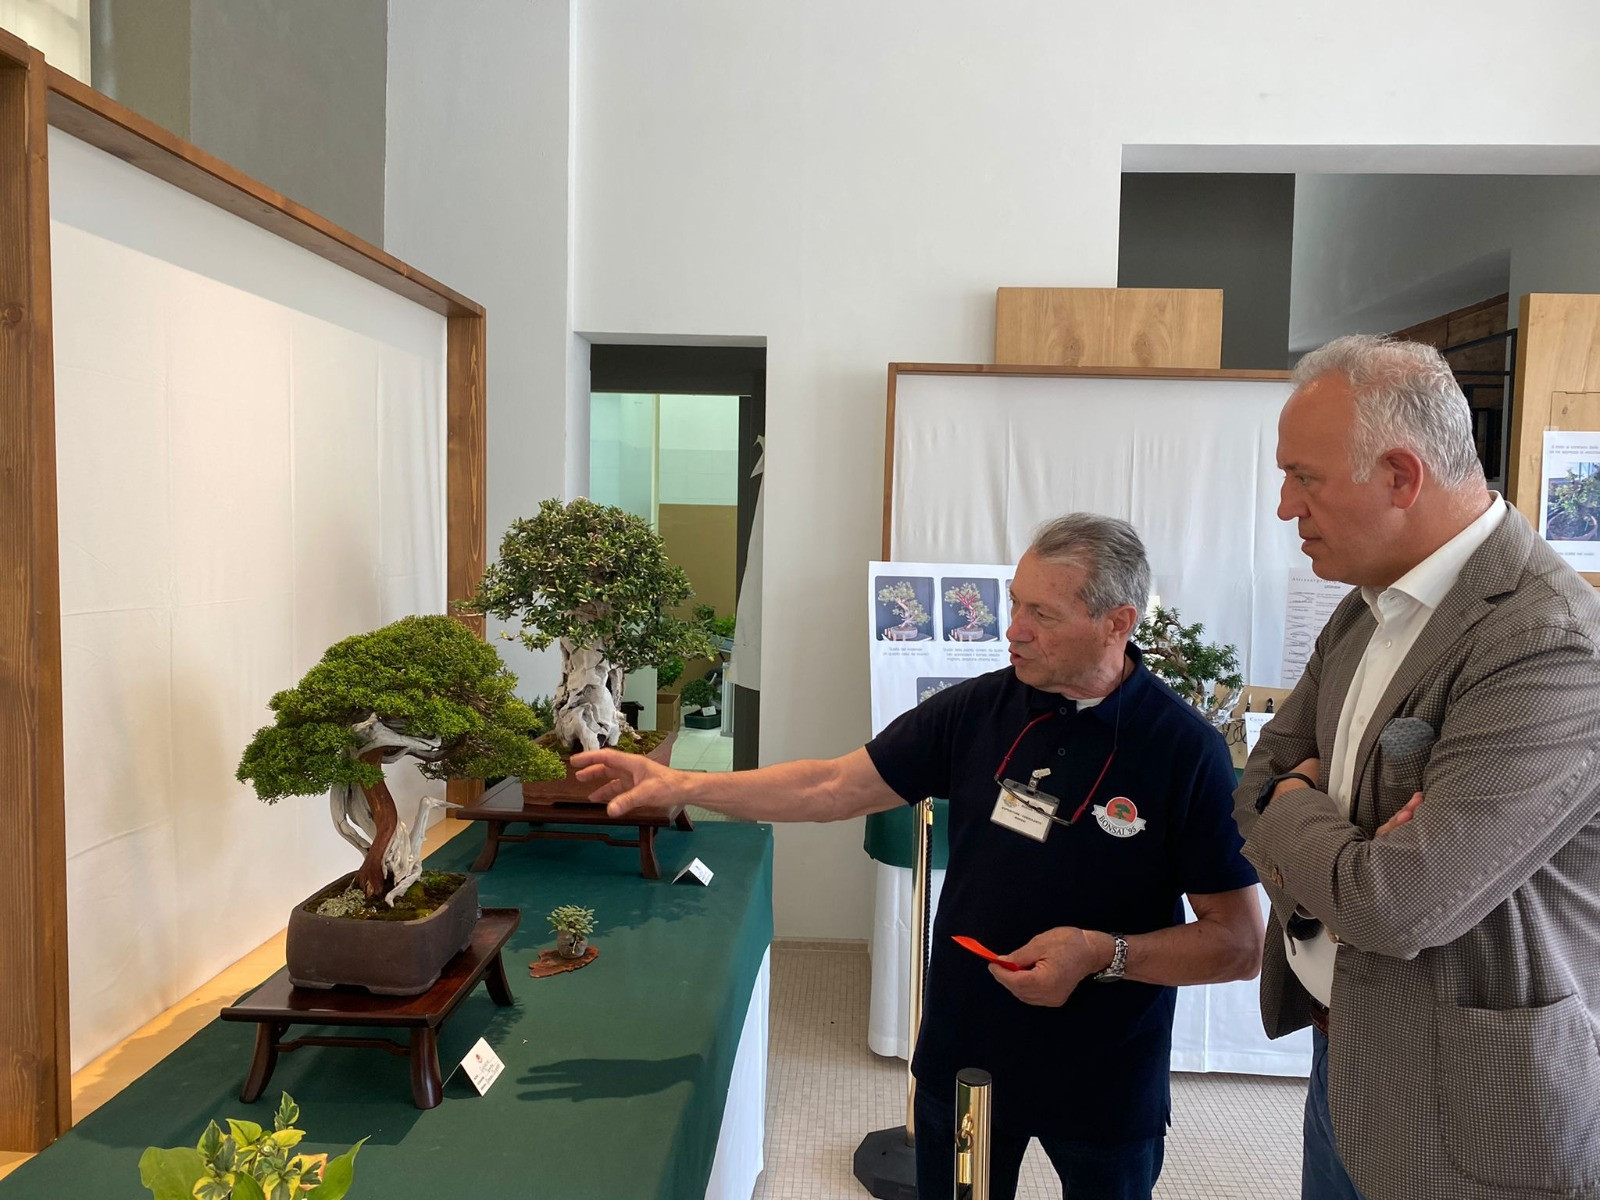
(982, 951)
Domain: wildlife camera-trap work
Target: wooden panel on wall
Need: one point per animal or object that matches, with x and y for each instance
(703, 539)
(1558, 370)
(466, 483)
(35, 1082)
(1108, 327)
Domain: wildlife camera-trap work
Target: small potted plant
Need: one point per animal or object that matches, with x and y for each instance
(423, 688)
(669, 703)
(700, 705)
(719, 630)
(248, 1163)
(1190, 666)
(572, 926)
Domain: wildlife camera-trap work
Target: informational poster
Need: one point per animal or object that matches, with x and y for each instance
(1311, 602)
(933, 625)
(1569, 509)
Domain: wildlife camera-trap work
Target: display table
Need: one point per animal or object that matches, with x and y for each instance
(277, 1004)
(640, 1076)
(507, 804)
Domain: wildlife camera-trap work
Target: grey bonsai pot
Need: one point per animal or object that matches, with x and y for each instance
(390, 958)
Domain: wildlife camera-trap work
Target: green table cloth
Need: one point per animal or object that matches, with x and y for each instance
(615, 1075)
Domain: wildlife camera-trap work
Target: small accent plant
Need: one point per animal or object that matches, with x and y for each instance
(569, 918)
(248, 1163)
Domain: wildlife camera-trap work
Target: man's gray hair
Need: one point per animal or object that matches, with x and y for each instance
(1406, 398)
(1110, 553)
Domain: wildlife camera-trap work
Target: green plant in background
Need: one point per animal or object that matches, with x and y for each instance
(422, 687)
(699, 693)
(1175, 653)
(705, 616)
(970, 601)
(571, 919)
(596, 580)
(904, 598)
(248, 1163)
(669, 671)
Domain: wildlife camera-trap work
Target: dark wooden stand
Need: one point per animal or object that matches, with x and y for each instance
(278, 1004)
(507, 803)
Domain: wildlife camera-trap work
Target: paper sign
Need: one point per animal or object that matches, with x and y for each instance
(696, 871)
(1254, 722)
(482, 1066)
(1311, 602)
(1569, 509)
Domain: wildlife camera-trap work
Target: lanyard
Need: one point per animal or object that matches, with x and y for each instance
(1007, 787)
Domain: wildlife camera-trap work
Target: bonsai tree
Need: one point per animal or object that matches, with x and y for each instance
(423, 687)
(572, 926)
(973, 610)
(904, 598)
(595, 579)
(699, 693)
(1573, 511)
(1175, 653)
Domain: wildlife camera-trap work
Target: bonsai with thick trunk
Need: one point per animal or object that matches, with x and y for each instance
(424, 688)
(974, 611)
(595, 580)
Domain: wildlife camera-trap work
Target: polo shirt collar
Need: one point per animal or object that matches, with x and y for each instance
(1131, 689)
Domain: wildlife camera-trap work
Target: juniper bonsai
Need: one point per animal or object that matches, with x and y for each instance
(1175, 653)
(423, 687)
(596, 580)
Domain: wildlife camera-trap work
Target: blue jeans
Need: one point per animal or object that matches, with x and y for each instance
(1322, 1173)
(1088, 1170)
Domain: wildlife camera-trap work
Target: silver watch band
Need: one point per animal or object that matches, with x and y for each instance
(1119, 961)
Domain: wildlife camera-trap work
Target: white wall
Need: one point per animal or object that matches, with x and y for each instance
(477, 196)
(1374, 253)
(852, 181)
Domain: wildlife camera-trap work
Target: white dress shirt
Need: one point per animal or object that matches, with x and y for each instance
(1403, 610)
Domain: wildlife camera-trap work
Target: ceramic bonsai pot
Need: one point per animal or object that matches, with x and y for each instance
(570, 789)
(389, 958)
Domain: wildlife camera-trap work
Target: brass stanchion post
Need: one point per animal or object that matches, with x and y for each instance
(886, 1161)
(973, 1107)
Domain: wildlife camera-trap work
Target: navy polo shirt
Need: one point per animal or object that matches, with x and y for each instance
(1097, 1067)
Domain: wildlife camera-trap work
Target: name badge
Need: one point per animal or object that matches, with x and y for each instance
(1023, 818)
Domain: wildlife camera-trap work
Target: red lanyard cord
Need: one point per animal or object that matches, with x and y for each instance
(1116, 731)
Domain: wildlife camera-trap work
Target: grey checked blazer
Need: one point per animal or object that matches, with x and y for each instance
(1463, 1057)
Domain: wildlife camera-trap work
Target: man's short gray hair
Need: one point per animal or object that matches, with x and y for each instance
(1406, 398)
(1109, 551)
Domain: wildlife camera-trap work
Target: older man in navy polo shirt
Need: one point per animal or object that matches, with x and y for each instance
(1086, 800)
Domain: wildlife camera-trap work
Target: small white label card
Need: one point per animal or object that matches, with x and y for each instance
(482, 1066)
(695, 872)
(1254, 723)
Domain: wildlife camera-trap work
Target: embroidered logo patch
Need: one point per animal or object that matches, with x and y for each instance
(1119, 817)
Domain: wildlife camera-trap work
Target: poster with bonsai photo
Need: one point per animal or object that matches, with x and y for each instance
(904, 611)
(912, 608)
(1569, 515)
(971, 607)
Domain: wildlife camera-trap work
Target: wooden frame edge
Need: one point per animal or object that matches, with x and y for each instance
(36, 1083)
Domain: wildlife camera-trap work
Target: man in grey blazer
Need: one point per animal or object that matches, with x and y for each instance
(1424, 809)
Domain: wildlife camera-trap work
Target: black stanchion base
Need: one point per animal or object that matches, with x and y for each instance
(886, 1164)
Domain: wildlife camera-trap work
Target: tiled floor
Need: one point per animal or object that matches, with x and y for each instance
(1233, 1136)
(702, 750)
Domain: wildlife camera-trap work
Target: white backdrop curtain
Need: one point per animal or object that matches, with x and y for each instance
(981, 460)
(250, 460)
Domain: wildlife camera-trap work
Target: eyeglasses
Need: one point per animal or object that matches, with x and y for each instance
(1042, 803)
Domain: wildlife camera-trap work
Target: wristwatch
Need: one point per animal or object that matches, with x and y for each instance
(1119, 961)
(1264, 796)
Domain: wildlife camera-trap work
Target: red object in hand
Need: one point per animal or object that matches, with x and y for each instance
(982, 951)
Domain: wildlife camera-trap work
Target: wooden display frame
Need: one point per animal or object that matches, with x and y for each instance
(35, 1059)
(898, 369)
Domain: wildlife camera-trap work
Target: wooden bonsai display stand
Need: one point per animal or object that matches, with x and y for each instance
(278, 1004)
(512, 802)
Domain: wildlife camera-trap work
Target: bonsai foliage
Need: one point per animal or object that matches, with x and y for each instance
(1573, 509)
(1175, 653)
(705, 615)
(698, 693)
(970, 601)
(423, 687)
(569, 918)
(595, 579)
(248, 1163)
(928, 693)
(904, 598)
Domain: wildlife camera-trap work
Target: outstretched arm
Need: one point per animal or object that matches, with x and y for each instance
(831, 789)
